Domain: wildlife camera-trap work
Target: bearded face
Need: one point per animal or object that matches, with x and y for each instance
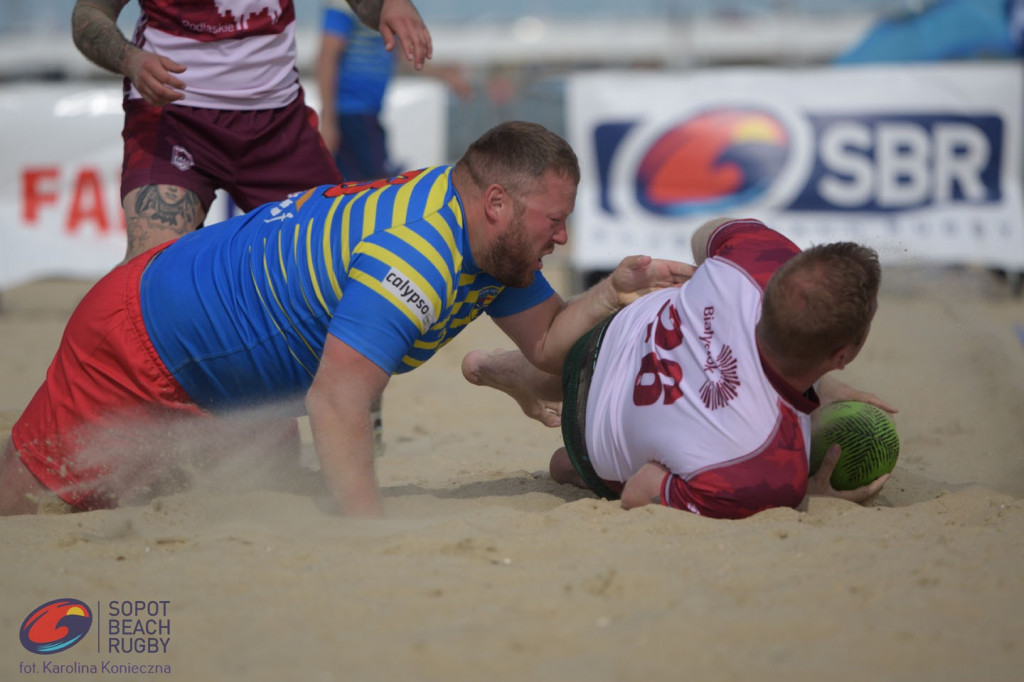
(512, 259)
(536, 226)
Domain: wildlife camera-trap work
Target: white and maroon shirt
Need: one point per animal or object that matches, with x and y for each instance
(679, 381)
(240, 54)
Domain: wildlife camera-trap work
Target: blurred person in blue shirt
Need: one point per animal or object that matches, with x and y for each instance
(354, 69)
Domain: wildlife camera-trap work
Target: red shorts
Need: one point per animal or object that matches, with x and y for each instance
(256, 156)
(92, 429)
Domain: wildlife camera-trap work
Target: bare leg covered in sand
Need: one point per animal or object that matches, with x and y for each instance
(538, 393)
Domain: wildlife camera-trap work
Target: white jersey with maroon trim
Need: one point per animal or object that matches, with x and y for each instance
(240, 54)
(679, 381)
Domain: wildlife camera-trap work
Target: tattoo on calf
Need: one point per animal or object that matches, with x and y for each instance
(175, 207)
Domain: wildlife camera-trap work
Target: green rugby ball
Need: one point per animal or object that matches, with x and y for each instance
(867, 436)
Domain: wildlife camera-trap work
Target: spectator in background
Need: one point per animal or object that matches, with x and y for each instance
(354, 69)
(213, 101)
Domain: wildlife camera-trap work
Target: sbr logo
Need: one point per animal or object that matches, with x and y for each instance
(708, 163)
(56, 626)
(893, 163)
(725, 159)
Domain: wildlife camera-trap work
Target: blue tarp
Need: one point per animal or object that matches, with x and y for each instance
(947, 29)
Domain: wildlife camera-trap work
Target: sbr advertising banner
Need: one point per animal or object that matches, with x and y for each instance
(60, 164)
(921, 162)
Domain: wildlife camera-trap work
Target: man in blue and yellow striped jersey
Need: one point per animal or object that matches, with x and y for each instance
(314, 302)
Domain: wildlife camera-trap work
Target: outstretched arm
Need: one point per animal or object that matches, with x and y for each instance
(94, 30)
(546, 332)
(550, 329)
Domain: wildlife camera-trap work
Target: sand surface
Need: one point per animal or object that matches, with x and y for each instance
(486, 570)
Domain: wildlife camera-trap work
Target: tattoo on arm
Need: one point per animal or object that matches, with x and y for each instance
(368, 11)
(96, 35)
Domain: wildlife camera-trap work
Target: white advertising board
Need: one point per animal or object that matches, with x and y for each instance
(60, 165)
(920, 162)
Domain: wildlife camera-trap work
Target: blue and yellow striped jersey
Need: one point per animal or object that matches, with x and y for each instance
(239, 311)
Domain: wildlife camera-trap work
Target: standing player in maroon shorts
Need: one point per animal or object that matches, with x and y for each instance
(213, 100)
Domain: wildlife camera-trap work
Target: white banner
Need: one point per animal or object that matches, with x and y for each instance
(920, 162)
(60, 145)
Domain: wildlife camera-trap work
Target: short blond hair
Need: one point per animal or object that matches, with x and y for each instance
(820, 301)
(516, 154)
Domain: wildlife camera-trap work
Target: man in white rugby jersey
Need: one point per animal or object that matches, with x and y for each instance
(700, 397)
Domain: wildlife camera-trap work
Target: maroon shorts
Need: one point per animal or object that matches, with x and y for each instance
(256, 156)
(94, 428)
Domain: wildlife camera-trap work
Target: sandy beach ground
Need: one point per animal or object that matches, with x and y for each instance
(486, 570)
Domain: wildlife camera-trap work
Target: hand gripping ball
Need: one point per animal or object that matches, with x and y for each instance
(867, 436)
